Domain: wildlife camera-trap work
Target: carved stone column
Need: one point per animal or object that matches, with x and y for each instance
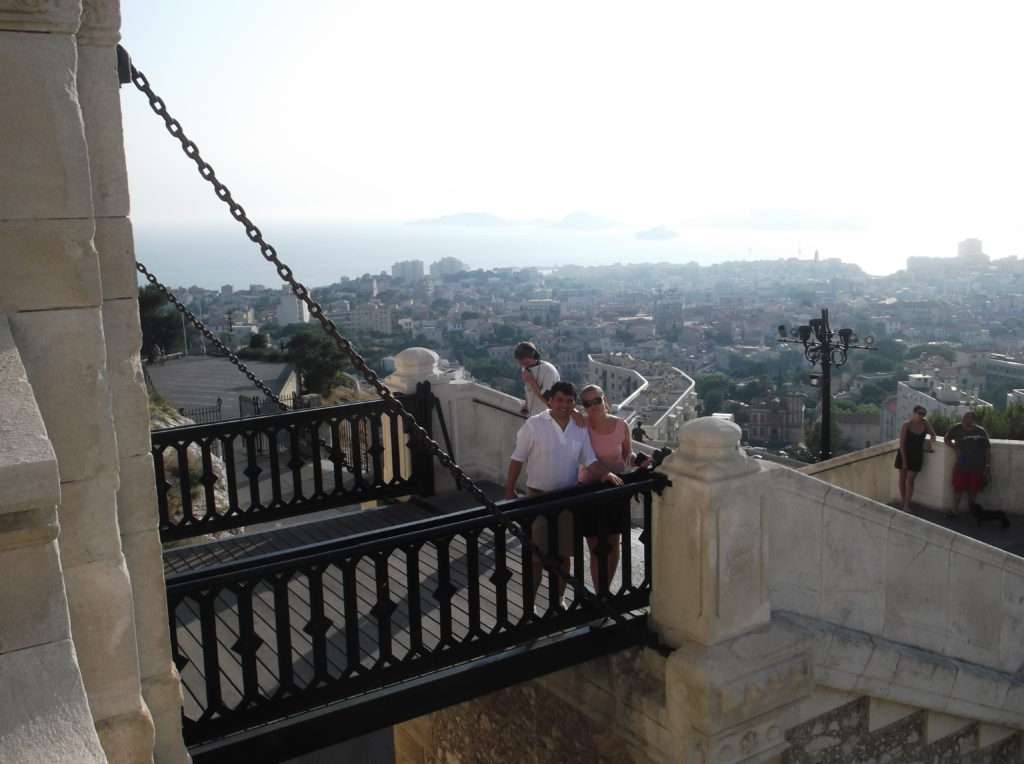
(51, 291)
(734, 678)
(99, 96)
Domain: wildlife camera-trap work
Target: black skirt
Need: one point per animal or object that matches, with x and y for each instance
(606, 518)
(915, 452)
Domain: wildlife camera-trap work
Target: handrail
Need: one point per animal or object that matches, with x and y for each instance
(266, 638)
(366, 543)
(279, 465)
(499, 408)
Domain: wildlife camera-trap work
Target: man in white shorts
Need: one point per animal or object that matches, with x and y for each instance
(553, 446)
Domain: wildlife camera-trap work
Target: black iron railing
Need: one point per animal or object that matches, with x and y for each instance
(204, 414)
(233, 473)
(271, 636)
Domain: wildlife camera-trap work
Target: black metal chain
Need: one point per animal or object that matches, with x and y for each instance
(335, 450)
(416, 430)
(198, 324)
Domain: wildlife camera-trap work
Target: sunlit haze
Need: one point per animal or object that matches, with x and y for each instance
(870, 131)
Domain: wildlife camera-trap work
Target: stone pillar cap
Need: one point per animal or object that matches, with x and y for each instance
(709, 450)
(416, 362)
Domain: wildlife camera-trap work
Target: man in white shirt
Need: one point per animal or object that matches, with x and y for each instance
(553, 446)
(538, 377)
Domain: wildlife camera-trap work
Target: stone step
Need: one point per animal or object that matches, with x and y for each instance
(1008, 749)
(869, 729)
(882, 713)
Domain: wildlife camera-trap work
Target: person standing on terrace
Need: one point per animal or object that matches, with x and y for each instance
(538, 377)
(910, 456)
(553, 447)
(604, 525)
(973, 460)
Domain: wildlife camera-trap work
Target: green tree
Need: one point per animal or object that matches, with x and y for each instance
(317, 359)
(872, 393)
(258, 340)
(161, 323)
(875, 363)
(812, 438)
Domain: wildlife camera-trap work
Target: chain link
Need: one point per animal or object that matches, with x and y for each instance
(198, 324)
(416, 430)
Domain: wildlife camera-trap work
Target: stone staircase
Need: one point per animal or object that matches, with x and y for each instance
(871, 731)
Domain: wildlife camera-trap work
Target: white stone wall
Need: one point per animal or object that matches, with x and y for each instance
(44, 713)
(69, 292)
(870, 473)
(843, 559)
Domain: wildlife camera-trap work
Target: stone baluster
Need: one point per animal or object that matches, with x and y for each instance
(734, 677)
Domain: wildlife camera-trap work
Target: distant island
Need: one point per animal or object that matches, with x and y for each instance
(658, 233)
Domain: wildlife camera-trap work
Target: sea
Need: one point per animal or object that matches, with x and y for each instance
(320, 253)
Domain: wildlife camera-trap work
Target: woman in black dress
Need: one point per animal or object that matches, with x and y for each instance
(910, 455)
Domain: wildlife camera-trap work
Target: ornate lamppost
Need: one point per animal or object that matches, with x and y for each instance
(826, 348)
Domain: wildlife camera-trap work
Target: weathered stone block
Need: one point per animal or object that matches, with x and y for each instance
(163, 698)
(48, 264)
(795, 528)
(136, 496)
(130, 401)
(1011, 640)
(28, 465)
(45, 717)
(849, 652)
(853, 579)
(43, 158)
(916, 596)
(64, 354)
(31, 598)
(103, 628)
(143, 556)
(975, 602)
(101, 23)
(88, 521)
(54, 16)
(128, 738)
(101, 110)
(116, 250)
(30, 527)
(927, 673)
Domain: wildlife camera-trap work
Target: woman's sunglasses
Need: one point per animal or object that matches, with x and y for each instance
(592, 402)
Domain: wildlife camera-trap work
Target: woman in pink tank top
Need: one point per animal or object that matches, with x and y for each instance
(613, 447)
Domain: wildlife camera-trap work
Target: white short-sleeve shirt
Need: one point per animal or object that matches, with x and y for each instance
(552, 455)
(546, 375)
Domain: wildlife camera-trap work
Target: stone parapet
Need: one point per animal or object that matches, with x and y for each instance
(855, 662)
(44, 715)
(850, 561)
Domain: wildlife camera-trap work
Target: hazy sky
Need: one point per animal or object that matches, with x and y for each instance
(903, 118)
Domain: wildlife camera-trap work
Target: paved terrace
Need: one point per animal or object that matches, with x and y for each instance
(199, 380)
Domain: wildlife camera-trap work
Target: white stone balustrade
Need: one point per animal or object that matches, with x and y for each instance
(870, 473)
(848, 560)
